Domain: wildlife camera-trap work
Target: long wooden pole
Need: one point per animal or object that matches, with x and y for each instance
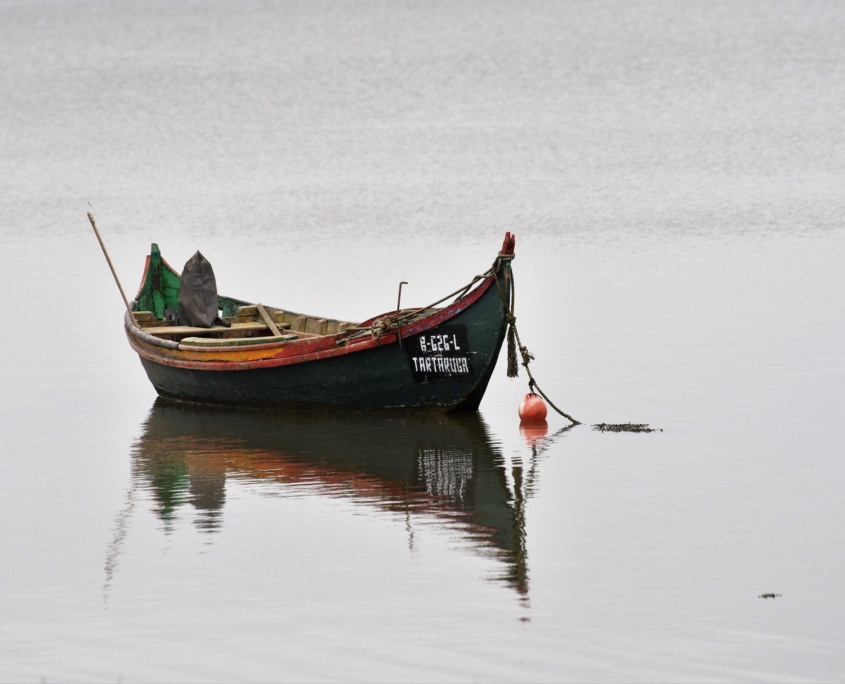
(113, 272)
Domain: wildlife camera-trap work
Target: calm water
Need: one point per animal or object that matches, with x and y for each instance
(674, 173)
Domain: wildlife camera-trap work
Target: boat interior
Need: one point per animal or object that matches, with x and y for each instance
(249, 323)
(247, 326)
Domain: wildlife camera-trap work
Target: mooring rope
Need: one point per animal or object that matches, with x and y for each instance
(514, 343)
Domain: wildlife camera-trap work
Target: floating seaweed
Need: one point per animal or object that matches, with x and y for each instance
(625, 427)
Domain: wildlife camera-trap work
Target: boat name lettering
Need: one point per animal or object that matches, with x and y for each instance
(443, 353)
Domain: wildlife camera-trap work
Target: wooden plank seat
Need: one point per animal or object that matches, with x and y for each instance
(235, 341)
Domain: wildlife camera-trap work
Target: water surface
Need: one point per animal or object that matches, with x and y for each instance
(674, 175)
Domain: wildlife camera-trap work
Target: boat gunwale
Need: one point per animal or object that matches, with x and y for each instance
(304, 350)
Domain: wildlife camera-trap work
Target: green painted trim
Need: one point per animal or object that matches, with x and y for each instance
(161, 288)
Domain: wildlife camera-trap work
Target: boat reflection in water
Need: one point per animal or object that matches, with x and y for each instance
(441, 466)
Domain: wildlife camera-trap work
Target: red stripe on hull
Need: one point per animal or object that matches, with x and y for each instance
(302, 351)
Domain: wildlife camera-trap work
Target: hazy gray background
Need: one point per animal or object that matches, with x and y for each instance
(674, 173)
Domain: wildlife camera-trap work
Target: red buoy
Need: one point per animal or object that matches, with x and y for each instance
(532, 408)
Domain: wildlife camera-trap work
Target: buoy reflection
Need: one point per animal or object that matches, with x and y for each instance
(533, 431)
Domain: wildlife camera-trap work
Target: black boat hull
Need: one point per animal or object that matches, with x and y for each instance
(377, 377)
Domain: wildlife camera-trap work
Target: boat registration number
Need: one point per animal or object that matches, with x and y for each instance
(439, 353)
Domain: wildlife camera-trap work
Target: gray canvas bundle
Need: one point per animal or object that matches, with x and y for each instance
(198, 293)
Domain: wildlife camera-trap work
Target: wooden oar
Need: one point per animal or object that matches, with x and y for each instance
(113, 272)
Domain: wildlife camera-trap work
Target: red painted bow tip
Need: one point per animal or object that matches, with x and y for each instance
(509, 245)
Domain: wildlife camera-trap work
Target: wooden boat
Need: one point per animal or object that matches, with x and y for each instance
(436, 358)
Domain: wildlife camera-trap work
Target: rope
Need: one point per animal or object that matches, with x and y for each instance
(380, 326)
(515, 342)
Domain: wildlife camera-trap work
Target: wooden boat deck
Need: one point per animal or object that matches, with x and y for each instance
(246, 328)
